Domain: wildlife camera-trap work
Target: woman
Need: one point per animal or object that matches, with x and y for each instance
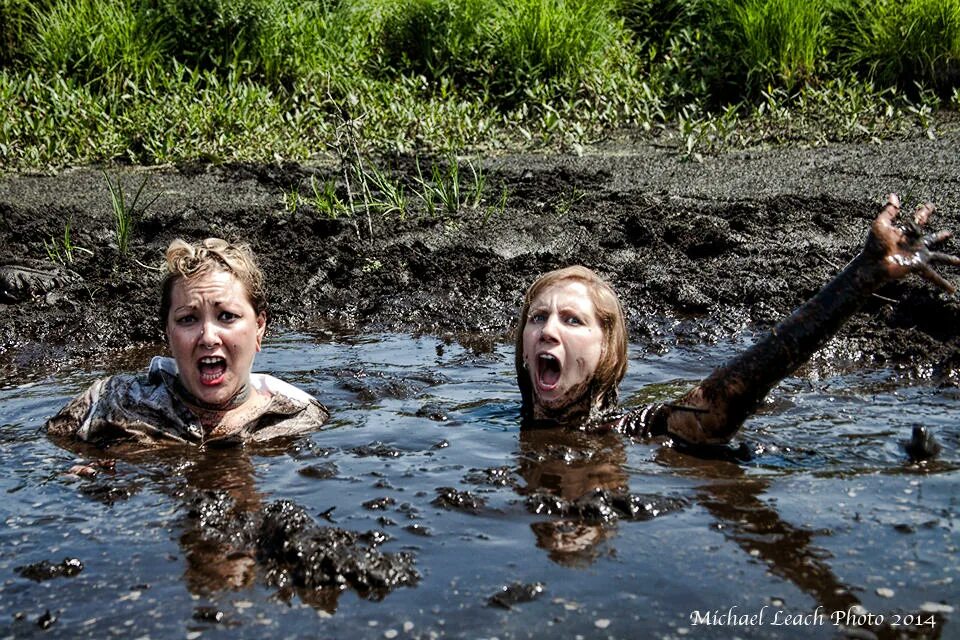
(571, 350)
(214, 309)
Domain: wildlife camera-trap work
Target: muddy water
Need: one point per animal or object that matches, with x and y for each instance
(826, 525)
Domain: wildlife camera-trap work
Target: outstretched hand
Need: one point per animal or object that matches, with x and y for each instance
(904, 249)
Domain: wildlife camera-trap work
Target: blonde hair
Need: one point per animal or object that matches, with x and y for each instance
(191, 261)
(613, 363)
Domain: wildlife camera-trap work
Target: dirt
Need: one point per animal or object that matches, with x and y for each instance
(699, 251)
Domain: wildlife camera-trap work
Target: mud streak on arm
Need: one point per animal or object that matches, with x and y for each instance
(733, 391)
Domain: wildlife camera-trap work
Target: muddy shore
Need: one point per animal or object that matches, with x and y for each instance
(698, 250)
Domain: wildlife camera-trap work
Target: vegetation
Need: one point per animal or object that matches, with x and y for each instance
(124, 214)
(155, 81)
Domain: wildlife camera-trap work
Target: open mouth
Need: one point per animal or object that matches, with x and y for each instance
(212, 370)
(548, 371)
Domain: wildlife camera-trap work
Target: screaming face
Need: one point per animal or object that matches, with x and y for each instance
(563, 343)
(214, 334)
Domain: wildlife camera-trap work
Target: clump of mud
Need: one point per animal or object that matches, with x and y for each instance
(516, 593)
(450, 498)
(46, 570)
(295, 553)
(603, 506)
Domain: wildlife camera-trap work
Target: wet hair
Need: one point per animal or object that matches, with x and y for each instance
(192, 261)
(613, 363)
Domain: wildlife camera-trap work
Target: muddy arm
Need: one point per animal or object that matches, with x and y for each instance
(714, 410)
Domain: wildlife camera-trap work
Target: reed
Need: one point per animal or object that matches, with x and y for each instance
(125, 213)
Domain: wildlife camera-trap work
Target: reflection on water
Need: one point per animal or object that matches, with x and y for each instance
(629, 539)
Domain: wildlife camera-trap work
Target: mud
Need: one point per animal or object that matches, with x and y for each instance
(604, 506)
(450, 498)
(295, 553)
(46, 570)
(698, 251)
(516, 593)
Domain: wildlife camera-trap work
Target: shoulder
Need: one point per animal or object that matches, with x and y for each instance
(291, 410)
(275, 387)
(106, 392)
(122, 405)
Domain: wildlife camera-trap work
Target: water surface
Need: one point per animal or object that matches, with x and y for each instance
(828, 513)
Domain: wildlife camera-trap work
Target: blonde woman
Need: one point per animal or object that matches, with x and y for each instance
(214, 309)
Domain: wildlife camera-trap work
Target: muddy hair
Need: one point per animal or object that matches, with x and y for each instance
(191, 261)
(605, 386)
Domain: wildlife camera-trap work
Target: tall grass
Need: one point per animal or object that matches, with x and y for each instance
(758, 42)
(166, 80)
(438, 38)
(15, 20)
(94, 39)
(904, 41)
(544, 40)
(212, 34)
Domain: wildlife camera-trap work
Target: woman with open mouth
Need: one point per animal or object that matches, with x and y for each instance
(213, 306)
(571, 345)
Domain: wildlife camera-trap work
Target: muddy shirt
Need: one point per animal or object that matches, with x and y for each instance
(144, 408)
(645, 422)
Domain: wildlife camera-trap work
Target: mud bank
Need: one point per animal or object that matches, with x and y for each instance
(698, 250)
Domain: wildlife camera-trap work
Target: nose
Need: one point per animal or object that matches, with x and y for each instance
(548, 330)
(209, 335)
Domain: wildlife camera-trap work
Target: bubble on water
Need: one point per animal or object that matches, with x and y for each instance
(885, 592)
(601, 623)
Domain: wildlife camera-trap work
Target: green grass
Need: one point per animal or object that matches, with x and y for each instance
(16, 20)
(125, 212)
(154, 81)
(904, 42)
(62, 250)
(95, 40)
(438, 38)
(553, 40)
(765, 41)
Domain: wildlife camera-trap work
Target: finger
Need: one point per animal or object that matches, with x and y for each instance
(923, 212)
(943, 258)
(927, 273)
(933, 239)
(890, 210)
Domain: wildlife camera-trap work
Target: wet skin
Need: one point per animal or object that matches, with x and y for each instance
(562, 346)
(214, 334)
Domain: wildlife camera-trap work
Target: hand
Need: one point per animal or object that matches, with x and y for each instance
(903, 249)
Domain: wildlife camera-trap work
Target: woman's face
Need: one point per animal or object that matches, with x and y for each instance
(562, 345)
(214, 334)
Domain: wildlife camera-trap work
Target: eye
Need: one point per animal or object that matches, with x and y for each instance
(227, 316)
(573, 320)
(537, 317)
(185, 320)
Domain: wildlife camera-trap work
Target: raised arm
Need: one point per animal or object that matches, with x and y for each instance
(713, 411)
